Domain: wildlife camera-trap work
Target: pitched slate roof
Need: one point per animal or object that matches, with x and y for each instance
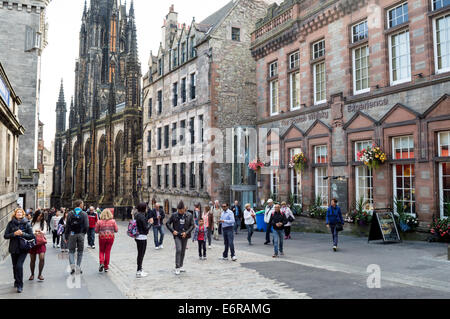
(217, 16)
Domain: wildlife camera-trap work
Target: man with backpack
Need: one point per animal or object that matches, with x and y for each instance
(180, 224)
(76, 228)
(277, 221)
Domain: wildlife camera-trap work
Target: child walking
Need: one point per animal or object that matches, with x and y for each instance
(200, 235)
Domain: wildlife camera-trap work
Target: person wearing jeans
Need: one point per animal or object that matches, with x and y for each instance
(249, 219)
(156, 217)
(209, 223)
(277, 221)
(106, 227)
(267, 213)
(237, 211)
(16, 229)
(76, 228)
(93, 218)
(334, 217)
(143, 227)
(180, 224)
(227, 222)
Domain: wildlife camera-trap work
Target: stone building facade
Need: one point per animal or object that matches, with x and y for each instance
(334, 77)
(202, 78)
(23, 27)
(45, 166)
(10, 131)
(98, 157)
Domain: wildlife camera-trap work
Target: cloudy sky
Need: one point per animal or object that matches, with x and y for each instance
(64, 19)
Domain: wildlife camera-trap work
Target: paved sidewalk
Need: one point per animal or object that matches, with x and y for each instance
(58, 283)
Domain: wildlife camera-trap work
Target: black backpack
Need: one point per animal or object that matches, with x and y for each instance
(76, 222)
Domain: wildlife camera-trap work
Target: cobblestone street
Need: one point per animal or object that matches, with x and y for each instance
(308, 270)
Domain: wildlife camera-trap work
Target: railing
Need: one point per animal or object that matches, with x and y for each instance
(276, 22)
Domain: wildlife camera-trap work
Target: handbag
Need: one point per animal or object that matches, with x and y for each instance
(290, 219)
(26, 245)
(41, 240)
(339, 227)
(60, 230)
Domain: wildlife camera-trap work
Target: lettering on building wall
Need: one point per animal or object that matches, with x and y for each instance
(305, 118)
(367, 105)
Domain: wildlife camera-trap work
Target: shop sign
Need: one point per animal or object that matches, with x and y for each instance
(383, 227)
(352, 108)
(4, 92)
(305, 118)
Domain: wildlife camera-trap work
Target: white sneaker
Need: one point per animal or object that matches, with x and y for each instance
(54, 246)
(209, 247)
(157, 248)
(182, 269)
(204, 258)
(143, 274)
(161, 247)
(233, 258)
(58, 246)
(177, 271)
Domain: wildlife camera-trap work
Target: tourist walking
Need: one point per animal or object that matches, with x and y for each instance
(93, 219)
(290, 218)
(50, 214)
(249, 220)
(18, 231)
(77, 226)
(197, 213)
(61, 230)
(277, 221)
(39, 226)
(156, 217)
(180, 224)
(238, 215)
(227, 221)
(54, 222)
(267, 214)
(334, 221)
(209, 224)
(217, 212)
(200, 235)
(106, 228)
(143, 227)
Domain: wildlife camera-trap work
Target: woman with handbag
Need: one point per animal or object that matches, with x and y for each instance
(249, 220)
(334, 221)
(290, 217)
(39, 226)
(19, 232)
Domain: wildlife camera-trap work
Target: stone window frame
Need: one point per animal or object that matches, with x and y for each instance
(233, 34)
(201, 128)
(201, 174)
(149, 141)
(395, 7)
(159, 138)
(433, 2)
(149, 176)
(160, 98)
(183, 175)
(410, 138)
(369, 172)
(175, 94)
(445, 15)
(158, 176)
(150, 107)
(272, 83)
(318, 58)
(273, 69)
(182, 140)
(294, 64)
(193, 86)
(354, 79)
(390, 36)
(274, 172)
(183, 89)
(293, 174)
(166, 136)
(192, 175)
(174, 134)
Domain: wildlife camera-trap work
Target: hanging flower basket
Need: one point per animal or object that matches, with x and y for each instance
(372, 156)
(298, 162)
(256, 165)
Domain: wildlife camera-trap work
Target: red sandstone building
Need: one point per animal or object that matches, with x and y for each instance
(336, 76)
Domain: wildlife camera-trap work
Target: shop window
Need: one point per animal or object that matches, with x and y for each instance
(444, 144)
(295, 178)
(321, 184)
(403, 147)
(444, 189)
(363, 179)
(274, 174)
(404, 188)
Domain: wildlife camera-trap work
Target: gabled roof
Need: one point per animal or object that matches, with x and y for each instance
(436, 104)
(218, 16)
(357, 114)
(397, 106)
(292, 127)
(316, 122)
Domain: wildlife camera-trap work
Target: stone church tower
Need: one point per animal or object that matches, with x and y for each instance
(99, 154)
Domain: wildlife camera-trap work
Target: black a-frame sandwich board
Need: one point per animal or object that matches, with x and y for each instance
(383, 227)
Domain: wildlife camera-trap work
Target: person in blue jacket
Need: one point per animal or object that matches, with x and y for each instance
(334, 218)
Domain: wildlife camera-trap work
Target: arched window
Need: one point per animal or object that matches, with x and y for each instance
(101, 165)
